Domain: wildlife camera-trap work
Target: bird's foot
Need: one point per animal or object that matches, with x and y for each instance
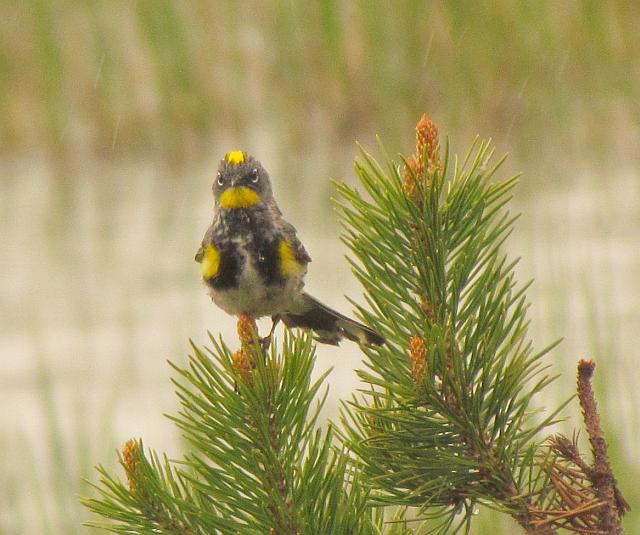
(266, 341)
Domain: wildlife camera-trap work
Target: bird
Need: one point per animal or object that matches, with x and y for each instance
(252, 261)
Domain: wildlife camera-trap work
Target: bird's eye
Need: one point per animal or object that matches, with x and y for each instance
(220, 180)
(255, 176)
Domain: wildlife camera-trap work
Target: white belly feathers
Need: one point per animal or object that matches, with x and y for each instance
(252, 295)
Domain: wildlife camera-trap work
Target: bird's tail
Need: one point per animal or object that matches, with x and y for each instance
(330, 326)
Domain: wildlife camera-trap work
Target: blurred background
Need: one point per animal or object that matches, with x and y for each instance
(114, 115)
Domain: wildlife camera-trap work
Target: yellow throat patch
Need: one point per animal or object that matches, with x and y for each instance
(235, 157)
(289, 266)
(210, 262)
(239, 197)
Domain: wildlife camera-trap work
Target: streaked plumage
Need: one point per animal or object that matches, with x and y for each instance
(252, 260)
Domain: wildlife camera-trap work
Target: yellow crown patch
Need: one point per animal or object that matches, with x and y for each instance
(235, 157)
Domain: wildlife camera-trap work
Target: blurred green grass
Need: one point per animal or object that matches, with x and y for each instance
(552, 79)
(113, 113)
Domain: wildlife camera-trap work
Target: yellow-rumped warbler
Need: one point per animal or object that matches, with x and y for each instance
(252, 261)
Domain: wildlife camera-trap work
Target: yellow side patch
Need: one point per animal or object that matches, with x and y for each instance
(239, 197)
(289, 266)
(210, 262)
(235, 157)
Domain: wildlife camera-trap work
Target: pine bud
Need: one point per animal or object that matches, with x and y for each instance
(247, 329)
(130, 456)
(242, 367)
(410, 175)
(424, 162)
(427, 144)
(418, 360)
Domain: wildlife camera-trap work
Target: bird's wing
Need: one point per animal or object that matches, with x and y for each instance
(199, 255)
(208, 238)
(289, 232)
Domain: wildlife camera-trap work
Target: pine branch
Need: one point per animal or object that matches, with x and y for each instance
(447, 420)
(258, 462)
(601, 474)
(156, 499)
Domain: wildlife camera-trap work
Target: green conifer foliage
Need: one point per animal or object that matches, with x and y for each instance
(258, 462)
(445, 419)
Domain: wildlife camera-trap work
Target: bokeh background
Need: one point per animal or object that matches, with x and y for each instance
(114, 114)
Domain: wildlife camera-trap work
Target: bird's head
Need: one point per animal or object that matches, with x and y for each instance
(241, 182)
